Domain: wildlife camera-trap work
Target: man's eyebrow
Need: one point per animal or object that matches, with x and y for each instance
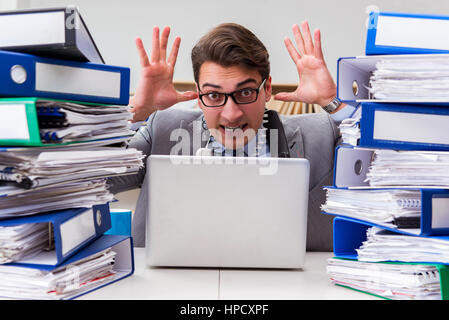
(249, 80)
(211, 85)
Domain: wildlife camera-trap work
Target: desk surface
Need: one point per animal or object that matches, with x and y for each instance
(227, 284)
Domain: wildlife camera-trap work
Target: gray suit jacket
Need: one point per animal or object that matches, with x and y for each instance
(310, 136)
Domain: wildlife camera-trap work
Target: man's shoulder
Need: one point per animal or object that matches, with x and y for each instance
(309, 122)
(172, 117)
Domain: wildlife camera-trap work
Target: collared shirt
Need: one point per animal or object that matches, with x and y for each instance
(256, 147)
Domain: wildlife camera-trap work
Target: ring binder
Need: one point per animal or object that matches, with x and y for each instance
(404, 127)
(72, 229)
(402, 33)
(44, 119)
(433, 217)
(64, 79)
(409, 203)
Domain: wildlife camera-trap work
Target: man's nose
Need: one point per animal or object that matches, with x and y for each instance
(231, 111)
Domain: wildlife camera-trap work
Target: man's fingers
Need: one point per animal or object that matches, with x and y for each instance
(164, 41)
(186, 96)
(318, 51)
(144, 62)
(286, 96)
(155, 47)
(298, 38)
(292, 50)
(308, 44)
(174, 52)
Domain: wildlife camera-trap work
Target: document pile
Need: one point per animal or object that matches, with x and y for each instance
(104, 261)
(51, 167)
(420, 79)
(68, 121)
(29, 283)
(16, 201)
(416, 168)
(391, 280)
(390, 193)
(19, 241)
(384, 245)
(61, 137)
(394, 206)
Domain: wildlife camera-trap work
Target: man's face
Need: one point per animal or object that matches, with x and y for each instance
(232, 124)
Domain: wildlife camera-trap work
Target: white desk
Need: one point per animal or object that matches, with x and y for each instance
(227, 284)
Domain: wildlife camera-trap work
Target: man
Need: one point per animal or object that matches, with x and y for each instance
(232, 72)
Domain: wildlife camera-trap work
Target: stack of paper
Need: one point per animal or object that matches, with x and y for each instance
(425, 79)
(392, 177)
(28, 283)
(48, 168)
(377, 206)
(22, 241)
(350, 129)
(68, 122)
(409, 168)
(393, 281)
(15, 201)
(63, 133)
(384, 245)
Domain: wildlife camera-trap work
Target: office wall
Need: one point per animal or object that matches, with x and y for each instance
(115, 24)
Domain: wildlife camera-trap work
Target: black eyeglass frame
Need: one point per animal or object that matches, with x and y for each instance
(231, 94)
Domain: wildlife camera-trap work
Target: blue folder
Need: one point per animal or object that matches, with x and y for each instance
(417, 127)
(349, 234)
(354, 74)
(373, 48)
(434, 213)
(123, 262)
(73, 229)
(25, 75)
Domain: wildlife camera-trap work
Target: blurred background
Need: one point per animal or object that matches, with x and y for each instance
(114, 24)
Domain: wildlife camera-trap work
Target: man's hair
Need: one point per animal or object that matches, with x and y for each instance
(231, 44)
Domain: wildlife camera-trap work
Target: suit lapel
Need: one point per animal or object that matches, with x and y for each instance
(295, 142)
(197, 133)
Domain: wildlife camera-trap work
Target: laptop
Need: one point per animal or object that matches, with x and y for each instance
(226, 212)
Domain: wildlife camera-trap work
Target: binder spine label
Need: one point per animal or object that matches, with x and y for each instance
(402, 31)
(440, 212)
(41, 28)
(13, 122)
(77, 230)
(411, 127)
(78, 81)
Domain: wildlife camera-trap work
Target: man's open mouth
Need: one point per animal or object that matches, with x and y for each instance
(232, 129)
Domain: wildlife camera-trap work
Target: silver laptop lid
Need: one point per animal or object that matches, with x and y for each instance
(226, 212)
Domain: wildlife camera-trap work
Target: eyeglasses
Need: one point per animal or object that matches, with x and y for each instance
(242, 96)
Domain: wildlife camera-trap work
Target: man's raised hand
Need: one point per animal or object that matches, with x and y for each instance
(155, 90)
(315, 82)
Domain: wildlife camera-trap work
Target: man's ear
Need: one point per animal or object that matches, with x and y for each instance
(268, 89)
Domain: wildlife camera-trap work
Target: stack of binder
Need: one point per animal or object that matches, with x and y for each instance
(390, 193)
(63, 120)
